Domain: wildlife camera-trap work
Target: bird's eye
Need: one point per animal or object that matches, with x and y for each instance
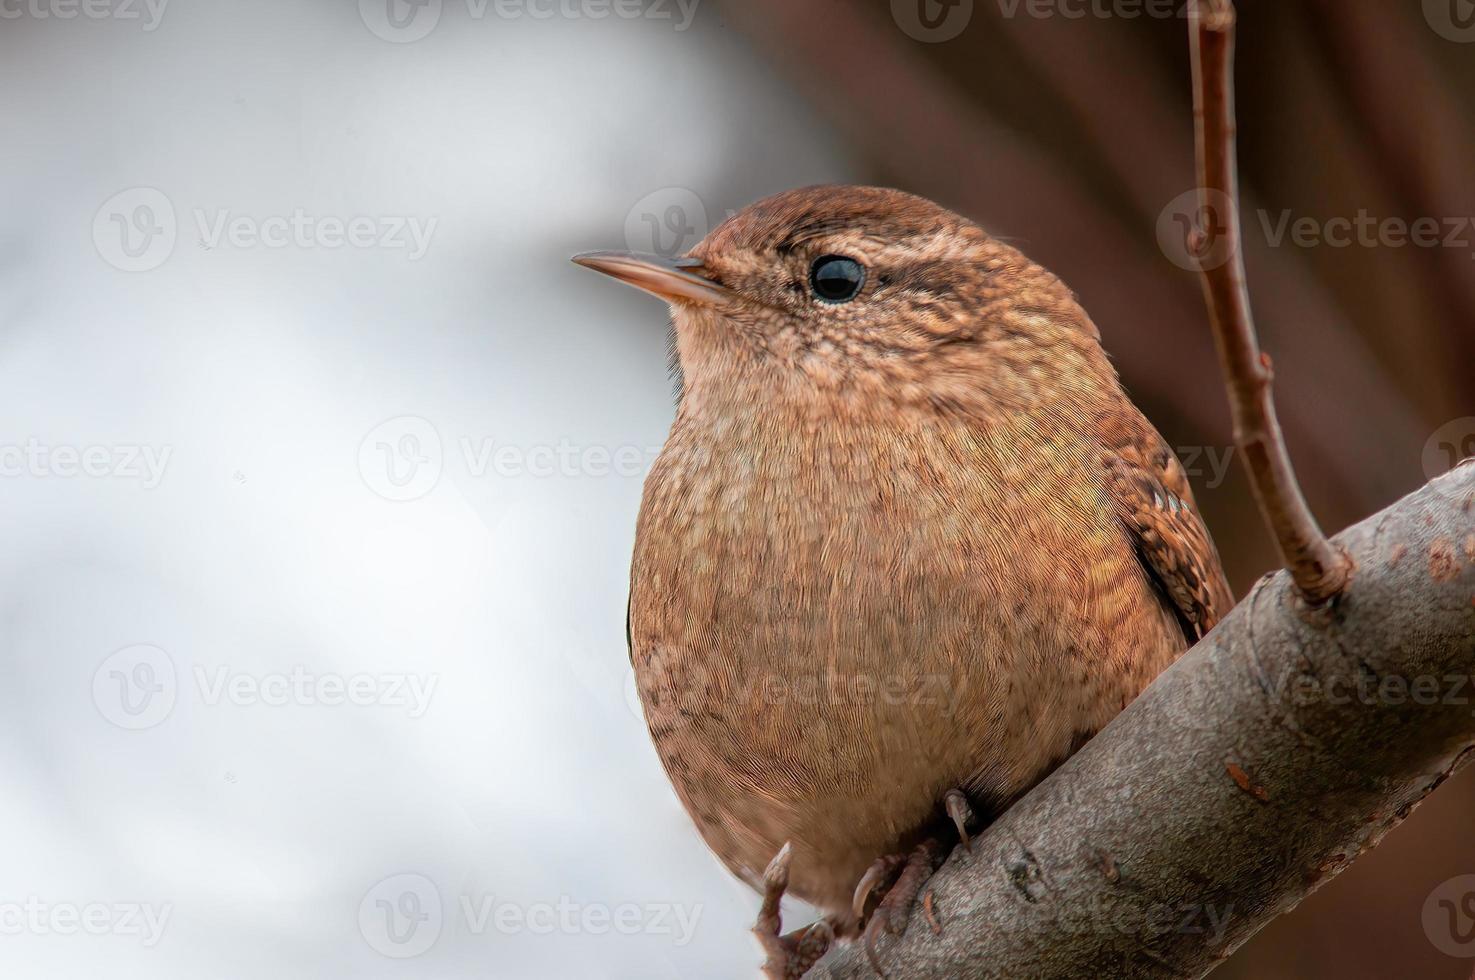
(836, 278)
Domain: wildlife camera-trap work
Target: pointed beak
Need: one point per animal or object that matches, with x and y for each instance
(673, 280)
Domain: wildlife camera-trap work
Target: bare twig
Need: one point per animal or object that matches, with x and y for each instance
(1319, 570)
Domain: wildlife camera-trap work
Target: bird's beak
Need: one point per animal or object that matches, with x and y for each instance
(673, 280)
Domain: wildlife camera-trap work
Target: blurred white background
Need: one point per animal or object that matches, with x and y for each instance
(319, 466)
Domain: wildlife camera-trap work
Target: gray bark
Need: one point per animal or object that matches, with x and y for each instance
(1260, 765)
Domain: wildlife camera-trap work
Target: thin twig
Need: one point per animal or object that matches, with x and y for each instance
(1319, 569)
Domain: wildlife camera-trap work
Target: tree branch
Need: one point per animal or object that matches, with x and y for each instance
(1319, 570)
(1248, 774)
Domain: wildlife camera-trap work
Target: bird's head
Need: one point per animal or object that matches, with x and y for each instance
(867, 293)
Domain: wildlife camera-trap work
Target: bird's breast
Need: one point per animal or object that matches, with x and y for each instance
(856, 620)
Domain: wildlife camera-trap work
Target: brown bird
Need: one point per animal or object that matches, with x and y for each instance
(907, 546)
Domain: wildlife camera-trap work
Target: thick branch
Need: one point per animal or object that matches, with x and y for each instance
(1253, 770)
(1319, 570)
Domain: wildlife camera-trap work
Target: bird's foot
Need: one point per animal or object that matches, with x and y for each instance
(899, 878)
(791, 956)
(905, 876)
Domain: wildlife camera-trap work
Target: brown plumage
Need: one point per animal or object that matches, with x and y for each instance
(898, 544)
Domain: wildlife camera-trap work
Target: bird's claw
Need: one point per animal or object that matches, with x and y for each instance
(788, 957)
(895, 909)
(900, 877)
(961, 813)
(879, 875)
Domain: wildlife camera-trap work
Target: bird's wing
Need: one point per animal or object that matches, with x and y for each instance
(1155, 504)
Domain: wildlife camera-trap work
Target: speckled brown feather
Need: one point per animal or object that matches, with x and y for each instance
(1156, 504)
(915, 542)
